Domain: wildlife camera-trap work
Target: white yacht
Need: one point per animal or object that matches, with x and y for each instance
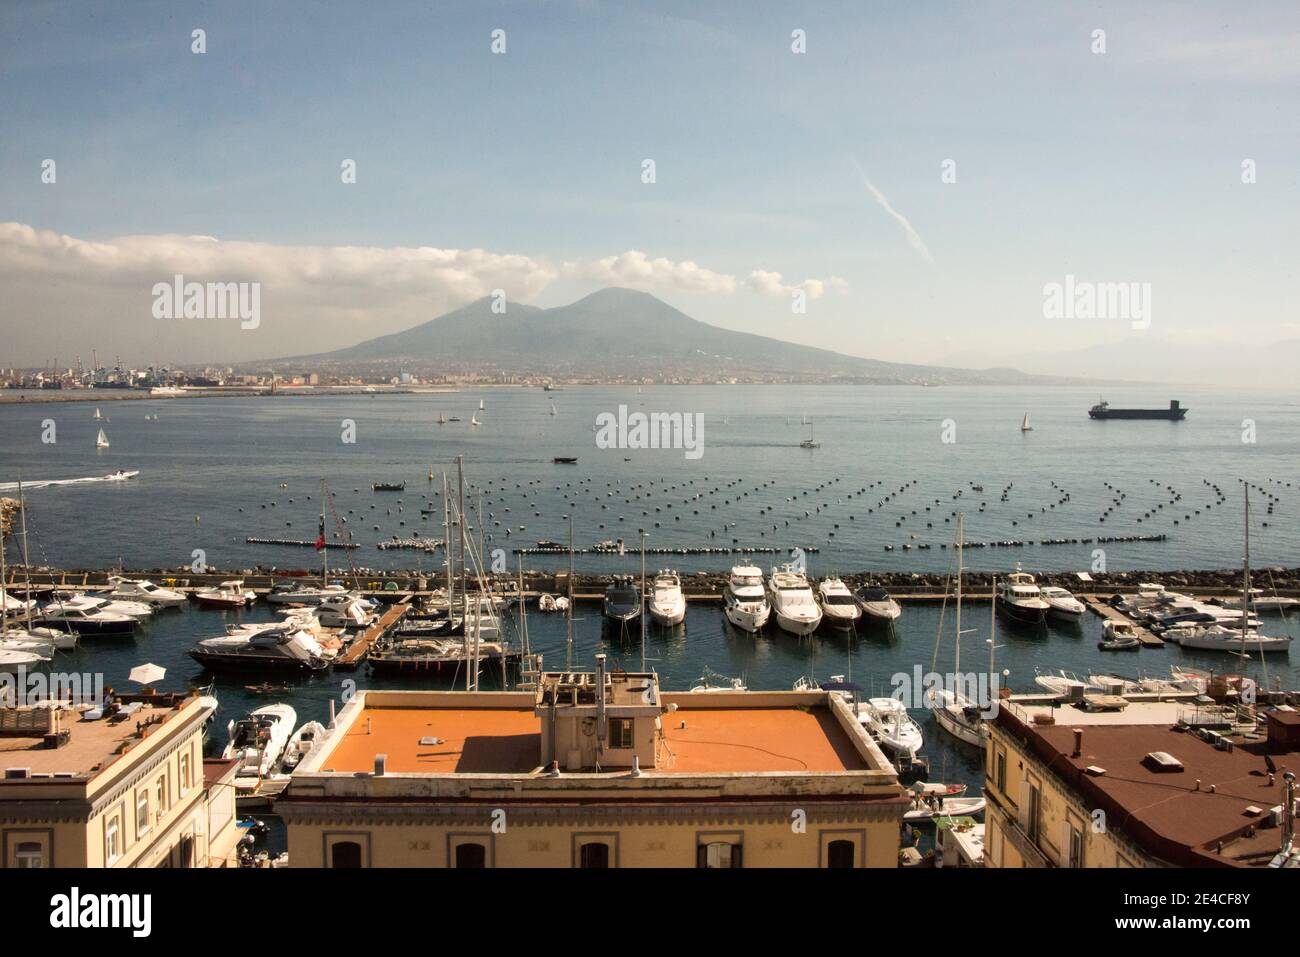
(13, 661)
(345, 611)
(257, 742)
(144, 591)
(667, 606)
(1065, 684)
(229, 594)
(279, 648)
(1221, 638)
(792, 601)
(889, 723)
(837, 604)
(132, 609)
(876, 603)
(299, 594)
(10, 605)
(51, 637)
(301, 744)
(712, 681)
(86, 621)
(1020, 599)
(1260, 601)
(1061, 605)
(22, 641)
(744, 600)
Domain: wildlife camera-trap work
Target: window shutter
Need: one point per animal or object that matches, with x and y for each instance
(736, 851)
(1024, 806)
(702, 855)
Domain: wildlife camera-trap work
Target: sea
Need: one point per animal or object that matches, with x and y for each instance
(893, 468)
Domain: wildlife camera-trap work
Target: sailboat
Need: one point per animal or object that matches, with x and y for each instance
(810, 442)
(553, 412)
(442, 419)
(480, 405)
(98, 416)
(956, 713)
(473, 420)
(1024, 425)
(101, 440)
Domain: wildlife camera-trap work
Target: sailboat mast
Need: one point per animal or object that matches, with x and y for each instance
(4, 581)
(643, 600)
(568, 619)
(1245, 582)
(324, 551)
(464, 578)
(446, 541)
(961, 535)
(993, 621)
(27, 566)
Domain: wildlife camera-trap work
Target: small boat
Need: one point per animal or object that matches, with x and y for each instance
(667, 606)
(51, 638)
(553, 411)
(301, 744)
(876, 603)
(792, 601)
(87, 621)
(480, 405)
(257, 741)
(890, 724)
(101, 440)
(810, 442)
(294, 594)
(1061, 604)
(1024, 424)
(1020, 599)
(744, 600)
(1065, 684)
(98, 414)
(143, 590)
(388, 486)
(622, 601)
(925, 807)
(712, 681)
(442, 419)
(473, 420)
(838, 607)
(229, 594)
(566, 460)
(552, 603)
(1118, 636)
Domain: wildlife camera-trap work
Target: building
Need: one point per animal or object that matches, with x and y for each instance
(130, 790)
(1153, 784)
(594, 769)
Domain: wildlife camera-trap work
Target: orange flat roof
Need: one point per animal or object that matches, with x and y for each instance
(757, 739)
(475, 741)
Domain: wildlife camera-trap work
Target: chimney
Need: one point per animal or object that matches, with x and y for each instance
(636, 766)
(381, 764)
(331, 714)
(1078, 742)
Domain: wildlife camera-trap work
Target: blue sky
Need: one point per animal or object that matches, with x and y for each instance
(1123, 166)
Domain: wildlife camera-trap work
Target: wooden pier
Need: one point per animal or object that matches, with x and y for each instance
(1099, 607)
(356, 652)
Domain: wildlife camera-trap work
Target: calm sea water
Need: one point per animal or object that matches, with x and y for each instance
(222, 462)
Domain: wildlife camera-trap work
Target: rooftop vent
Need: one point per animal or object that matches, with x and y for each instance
(381, 764)
(1094, 770)
(11, 773)
(1162, 761)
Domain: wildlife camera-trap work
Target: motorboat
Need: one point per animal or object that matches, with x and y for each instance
(10, 605)
(1061, 605)
(712, 681)
(301, 743)
(11, 662)
(24, 641)
(86, 621)
(889, 723)
(1118, 636)
(552, 603)
(296, 594)
(132, 609)
(144, 591)
(744, 600)
(1065, 684)
(345, 611)
(1261, 601)
(1232, 640)
(1020, 599)
(667, 606)
(836, 601)
(257, 741)
(792, 601)
(53, 638)
(622, 601)
(388, 486)
(876, 603)
(229, 594)
(926, 807)
(282, 648)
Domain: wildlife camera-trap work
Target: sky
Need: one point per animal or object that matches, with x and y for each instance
(918, 175)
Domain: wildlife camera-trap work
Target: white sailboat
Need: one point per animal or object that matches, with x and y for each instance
(473, 420)
(101, 440)
(480, 405)
(1024, 424)
(810, 442)
(98, 415)
(442, 419)
(956, 713)
(553, 412)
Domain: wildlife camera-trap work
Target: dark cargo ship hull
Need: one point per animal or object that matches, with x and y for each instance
(1173, 415)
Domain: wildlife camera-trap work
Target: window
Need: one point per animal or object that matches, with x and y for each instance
(29, 854)
(594, 855)
(186, 781)
(141, 812)
(345, 854)
(112, 840)
(1000, 772)
(471, 855)
(1074, 839)
(717, 855)
(160, 795)
(620, 732)
(1031, 811)
(841, 854)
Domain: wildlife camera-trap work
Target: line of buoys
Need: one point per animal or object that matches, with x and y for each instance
(684, 550)
(417, 544)
(297, 542)
(1020, 543)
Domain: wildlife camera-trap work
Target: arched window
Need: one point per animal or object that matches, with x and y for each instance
(594, 855)
(471, 855)
(841, 854)
(345, 854)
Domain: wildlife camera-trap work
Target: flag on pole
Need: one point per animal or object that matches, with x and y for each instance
(320, 539)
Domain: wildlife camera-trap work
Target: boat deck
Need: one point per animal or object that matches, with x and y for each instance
(356, 652)
(1099, 607)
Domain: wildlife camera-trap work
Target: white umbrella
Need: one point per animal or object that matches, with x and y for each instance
(147, 674)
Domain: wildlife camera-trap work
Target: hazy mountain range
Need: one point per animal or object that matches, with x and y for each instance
(625, 333)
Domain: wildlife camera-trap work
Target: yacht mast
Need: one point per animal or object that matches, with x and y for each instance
(1245, 582)
(324, 548)
(568, 620)
(956, 664)
(643, 599)
(446, 542)
(460, 514)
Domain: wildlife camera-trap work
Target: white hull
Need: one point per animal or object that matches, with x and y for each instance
(669, 615)
(800, 626)
(881, 610)
(950, 714)
(1234, 644)
(749, 617)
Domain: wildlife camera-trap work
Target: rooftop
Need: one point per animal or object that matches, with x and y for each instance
(1212, 809)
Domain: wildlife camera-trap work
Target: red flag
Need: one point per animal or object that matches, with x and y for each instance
(320, 539)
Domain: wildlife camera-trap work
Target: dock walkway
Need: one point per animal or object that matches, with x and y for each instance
(356, 652)
(1099, 607)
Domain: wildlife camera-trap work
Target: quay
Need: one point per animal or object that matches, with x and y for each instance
(356, 652)
(1142, 634)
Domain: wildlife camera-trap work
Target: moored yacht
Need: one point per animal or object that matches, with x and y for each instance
(1221, 638)
(300, 594)
(257, 741)
(285, 647)
(792, 601)
(744, 600)
(838, 607)
(889, 723)
(144, 591)
(876, 603)
(86, 621)
(132, 609)
(229, 594)
(622, 601)
(1061, 605)
(1020, 599)
(13, 661)
(667, 605)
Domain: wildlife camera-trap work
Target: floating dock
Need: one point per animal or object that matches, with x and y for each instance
(1099, 607)
(356, 652)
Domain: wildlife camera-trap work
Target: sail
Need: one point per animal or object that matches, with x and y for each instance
(1024, 425)
(101, 440)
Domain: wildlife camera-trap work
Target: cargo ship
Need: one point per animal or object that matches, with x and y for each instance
(1174, 413)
